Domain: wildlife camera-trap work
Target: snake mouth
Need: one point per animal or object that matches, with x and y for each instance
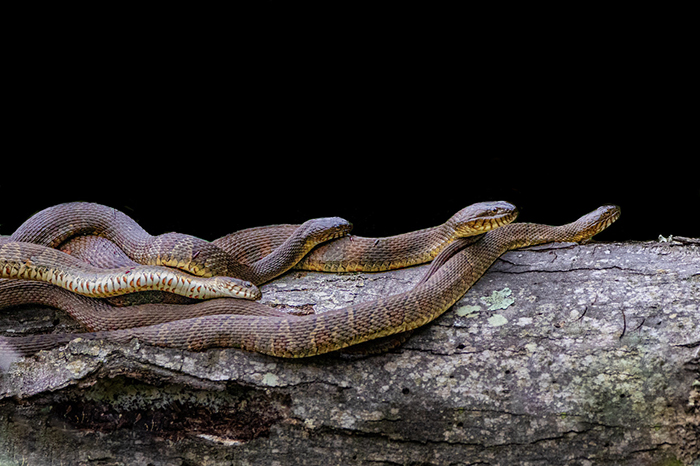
(330, 228)
(602, 218)
(484, 216)
(339, 232)
(236, 288)
(504, 217)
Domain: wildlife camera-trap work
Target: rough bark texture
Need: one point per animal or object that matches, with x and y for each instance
(531, 367)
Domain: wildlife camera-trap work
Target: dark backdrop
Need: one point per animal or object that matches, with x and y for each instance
(393, 119)
(403, 193)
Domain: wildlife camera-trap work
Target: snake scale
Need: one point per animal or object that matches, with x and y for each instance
(252, 326)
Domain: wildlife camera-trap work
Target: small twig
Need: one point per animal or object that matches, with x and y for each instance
(624, 324)
(595, 299)
(691, 344)
(686, 240)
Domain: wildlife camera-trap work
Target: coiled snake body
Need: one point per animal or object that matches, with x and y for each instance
(255, 327)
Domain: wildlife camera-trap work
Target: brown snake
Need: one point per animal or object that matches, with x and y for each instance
(264, 330)
(53, 226)
(33, 262)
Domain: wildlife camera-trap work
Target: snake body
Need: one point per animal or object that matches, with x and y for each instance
(106, 238)
(54, 226)
(29, 261)
(300, 336)
(362, 254)
(99, 314)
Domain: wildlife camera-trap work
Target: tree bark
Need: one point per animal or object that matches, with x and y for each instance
(560, 354)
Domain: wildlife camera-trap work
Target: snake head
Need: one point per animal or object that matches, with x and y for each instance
(235, 288)
(319, 230)
(481, 217)
(594, 222)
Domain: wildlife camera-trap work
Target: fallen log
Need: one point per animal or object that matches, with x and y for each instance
(559, 354)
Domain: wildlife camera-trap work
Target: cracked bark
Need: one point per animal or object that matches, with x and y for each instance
(530, 367)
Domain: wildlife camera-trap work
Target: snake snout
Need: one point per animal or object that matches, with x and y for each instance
(324, 229)
(237, 288)
(483, 216)
(601, 218)
(340, 225)
(500, 212)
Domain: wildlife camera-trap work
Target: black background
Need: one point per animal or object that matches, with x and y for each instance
(209, 122)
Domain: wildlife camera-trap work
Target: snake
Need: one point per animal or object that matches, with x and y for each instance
(106, 249)
(20, 260)
(459, 266)
(55, 225)
(113, 255)
(256, 254)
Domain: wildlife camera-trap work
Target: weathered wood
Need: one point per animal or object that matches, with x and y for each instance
(530, 367)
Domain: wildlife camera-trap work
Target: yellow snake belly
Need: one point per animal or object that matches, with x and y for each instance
(33, 262)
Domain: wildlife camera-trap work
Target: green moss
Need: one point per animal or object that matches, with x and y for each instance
(671, 462)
